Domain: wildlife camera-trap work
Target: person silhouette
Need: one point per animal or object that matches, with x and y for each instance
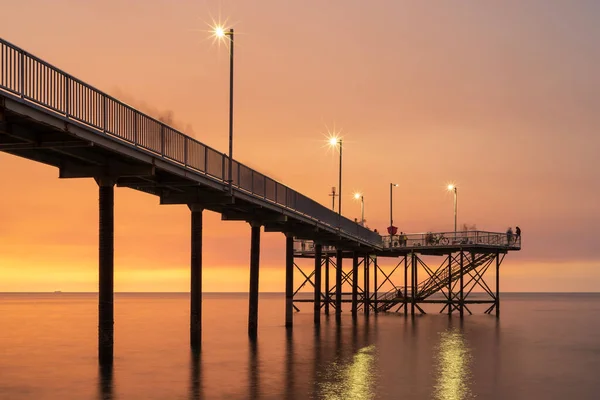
(518, 232)
(509, 235)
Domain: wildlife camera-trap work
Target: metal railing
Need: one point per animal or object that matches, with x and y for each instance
(445, 239)
(34, 80)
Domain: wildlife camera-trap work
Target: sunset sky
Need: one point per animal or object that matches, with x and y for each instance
(500, 97)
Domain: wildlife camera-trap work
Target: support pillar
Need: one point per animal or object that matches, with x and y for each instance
(196, 277)
(366, 294)
(338, 284)
(254, 264)
(327, 284)
(289, 281)
(375, 266)
(461, 299)
(449, 284)
(317, 302)
(405, 284)
(497, 285)
(106, 271)
(413, 275)
(354, 284)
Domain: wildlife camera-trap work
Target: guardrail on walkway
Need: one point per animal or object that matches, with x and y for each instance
(34, 80)
(441, 239)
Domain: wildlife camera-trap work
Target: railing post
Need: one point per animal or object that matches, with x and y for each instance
(205, 160)
(105, 117)
(67, 97)
(22, 73)
(162, 140)
(185, 151)
(135, 128)
(223, 168)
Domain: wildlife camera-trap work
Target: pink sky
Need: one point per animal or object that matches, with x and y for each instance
(500, 97)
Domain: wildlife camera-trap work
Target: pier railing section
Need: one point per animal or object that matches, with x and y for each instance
(34, 80)
(451, 239)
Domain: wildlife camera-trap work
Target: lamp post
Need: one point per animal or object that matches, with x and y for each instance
(221, 33)
(453, 188)
(392, 185)
(334, 141)
(333, 195)
(358, 196)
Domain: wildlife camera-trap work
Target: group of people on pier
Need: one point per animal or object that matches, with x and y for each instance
(513, 237)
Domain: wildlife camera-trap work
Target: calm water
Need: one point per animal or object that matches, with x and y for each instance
(543, 347)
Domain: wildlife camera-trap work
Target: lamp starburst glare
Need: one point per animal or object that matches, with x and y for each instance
(219, 31)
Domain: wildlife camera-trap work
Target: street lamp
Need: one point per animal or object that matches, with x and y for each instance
(358, 196)
(221, 33)
(334, 141)
(453, 188)
(392, 185)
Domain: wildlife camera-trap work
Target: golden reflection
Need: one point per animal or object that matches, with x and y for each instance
(353, 380)
(453, 367)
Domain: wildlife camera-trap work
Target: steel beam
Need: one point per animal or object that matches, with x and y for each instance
(43, 145)
(405, 284)
(462, 274)
(354, 284)
(289, 281)
(413, 275)
(253, 293)
(327, 284)
(375, 288)
(497, 285)
(112, 170)
(317, 301)
(450, 284)
(205, 198)
(338, 283)
(106, 271)
(196, 276)
(366, 283)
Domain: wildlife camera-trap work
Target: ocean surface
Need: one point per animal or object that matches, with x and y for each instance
(544, 346)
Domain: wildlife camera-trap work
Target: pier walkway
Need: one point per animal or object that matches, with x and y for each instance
(51, 117)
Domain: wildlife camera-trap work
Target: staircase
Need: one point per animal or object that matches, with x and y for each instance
(439, 280)
(392, 297)
(434, 283)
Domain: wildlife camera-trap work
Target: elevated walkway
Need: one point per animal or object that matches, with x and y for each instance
(49, 116)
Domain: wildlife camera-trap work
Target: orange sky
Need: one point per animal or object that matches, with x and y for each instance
(500, 97)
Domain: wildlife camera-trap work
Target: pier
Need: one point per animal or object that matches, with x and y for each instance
(51, 117)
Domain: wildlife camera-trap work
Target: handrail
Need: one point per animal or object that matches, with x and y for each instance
(35, 80)
(445, 239)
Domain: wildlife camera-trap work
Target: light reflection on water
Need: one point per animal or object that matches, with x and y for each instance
(352, 380)
(453, 361)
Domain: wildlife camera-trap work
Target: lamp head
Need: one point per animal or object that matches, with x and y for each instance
(219, 32)
(357, 196)
(395, 184)
(451, 187)
(334, 140)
